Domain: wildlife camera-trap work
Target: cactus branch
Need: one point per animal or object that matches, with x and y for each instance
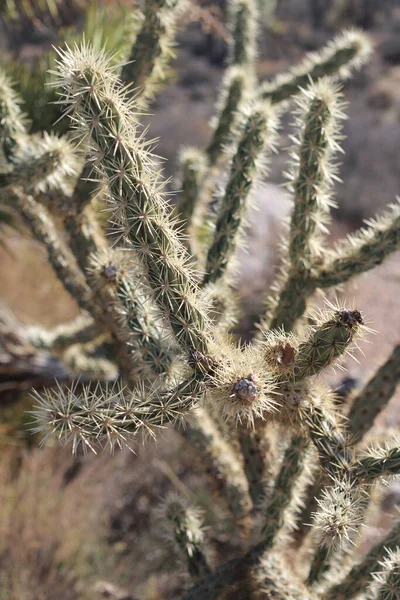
(310, 183)
(13, 123)
(357, 578)
(233, 89)
(100, 108)
(373, 398)
(204, 435)
(187, 532)
(111, 416)
(377, 462)
(193, 164)
(153, 46)
(243, 19)
(347, 51)
(362, 251)
(258, 130)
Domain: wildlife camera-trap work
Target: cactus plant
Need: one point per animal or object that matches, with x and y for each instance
(158, 301)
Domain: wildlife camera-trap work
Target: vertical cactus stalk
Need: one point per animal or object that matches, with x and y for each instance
(255, 456)
(286, 496)
(311, 177)
(243, 23)
(149, 345)
(356, 580)
(131, 318)
(258, 133)
(152, 47)
(231, 97)
(13, 123)
(347, 51)
(373, 398)
(204, 435)
(186, 530)
(193, 165)
(387, 581)
(102, 112)
(84, 236)
(233, 90)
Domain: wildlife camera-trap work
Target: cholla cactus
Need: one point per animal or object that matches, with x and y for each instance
(151, 306)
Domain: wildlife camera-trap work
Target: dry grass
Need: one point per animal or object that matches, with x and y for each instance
(51, 532)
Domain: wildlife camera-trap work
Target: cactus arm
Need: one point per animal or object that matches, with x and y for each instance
(362, 251)
(243, 23)
(187, 533)
(79, 331)
(310, 183)
(255, 461)
(153, 46)
(203, 434)
(83, 235)
(111, 416)
(97, 98)
(258, 130)
(13, 123)
(345, 52)
(328, 341)
(285, 495)
(233, 88)
(386, 584)
(373, 398)
(193, 165)
(377, 462)
(150, 348)
(357, 579)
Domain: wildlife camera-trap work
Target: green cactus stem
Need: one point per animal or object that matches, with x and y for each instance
(362, 251)
(387, 581)
(347, 51)
(243, 22)
(310, 183)
(373, 398)
(187, 532)
(356, 580)
(327, 342)
(153, 46)
(285, 496)
(96, 97)
(377, 462)
(258, 132)
(234, 86)
(111, 416)
(79, 331)
(204, 435)
(13, 123)
(193, 165)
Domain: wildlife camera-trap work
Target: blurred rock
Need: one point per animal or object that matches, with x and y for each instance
(392, 496)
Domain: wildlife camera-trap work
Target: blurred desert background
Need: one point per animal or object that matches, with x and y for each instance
(82, 527)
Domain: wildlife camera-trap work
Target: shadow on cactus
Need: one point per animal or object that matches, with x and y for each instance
(162, 301)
